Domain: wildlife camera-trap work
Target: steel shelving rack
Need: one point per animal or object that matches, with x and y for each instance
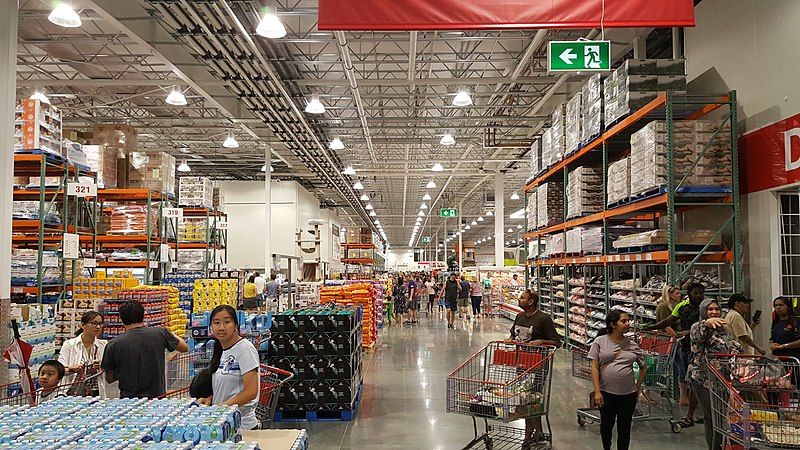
(673, 261)
(215, 241)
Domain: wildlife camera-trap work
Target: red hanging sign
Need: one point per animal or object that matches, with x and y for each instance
(770, 157)
(404, 15)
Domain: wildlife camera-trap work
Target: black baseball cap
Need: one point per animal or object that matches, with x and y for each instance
(738, 298)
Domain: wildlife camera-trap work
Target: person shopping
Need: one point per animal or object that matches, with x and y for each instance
(450, 294)
(81, 355)
(431, 291)
(737, 326)
(235, 369)
(251, 294)
(463, 299)
(400, 303)
(785, 334)
(476, 295)
(708, 336)
(615, 388)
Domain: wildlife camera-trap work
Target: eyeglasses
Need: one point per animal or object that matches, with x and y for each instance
(96, 324)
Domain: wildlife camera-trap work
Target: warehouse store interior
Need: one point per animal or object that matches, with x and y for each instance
(347, 224)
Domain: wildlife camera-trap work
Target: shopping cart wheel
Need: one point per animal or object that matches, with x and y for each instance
(676, 427)
(488, 442)
(581, 421)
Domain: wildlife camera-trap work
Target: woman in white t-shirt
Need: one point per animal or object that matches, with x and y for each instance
(431, 290)
(235, 369)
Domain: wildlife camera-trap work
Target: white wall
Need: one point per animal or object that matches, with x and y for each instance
(750, 46)
(291, 208)
(400, 260)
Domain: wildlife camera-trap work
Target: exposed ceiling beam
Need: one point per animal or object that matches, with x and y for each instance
(545, 80)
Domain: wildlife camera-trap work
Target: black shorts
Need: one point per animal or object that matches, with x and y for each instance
(251, 303)
(451, 304)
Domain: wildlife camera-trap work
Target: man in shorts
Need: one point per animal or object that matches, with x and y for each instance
(450, 293)
(413, 299)
(464, 302)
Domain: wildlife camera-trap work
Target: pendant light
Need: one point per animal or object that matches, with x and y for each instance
(358, 186)
(176, 97)
(437, 168)
(349, 170)
(270, 26)
(336, 144)
(364, 197)
(514, 196)
(230, 141)
(462, 98)
(63, 15)
(447, 139)
(426, 197)
(184, 167)
(431, 185)
(39, 95)
(315, 106)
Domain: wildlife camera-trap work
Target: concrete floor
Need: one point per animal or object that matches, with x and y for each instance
(403, 404)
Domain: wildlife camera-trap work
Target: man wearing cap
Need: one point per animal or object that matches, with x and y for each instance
(738, 327)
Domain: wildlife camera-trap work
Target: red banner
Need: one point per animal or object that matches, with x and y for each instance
(770, 157)
(403, 15)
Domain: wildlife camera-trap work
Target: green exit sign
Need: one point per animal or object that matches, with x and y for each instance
(426, 239)
(448, 212)
(576, 56)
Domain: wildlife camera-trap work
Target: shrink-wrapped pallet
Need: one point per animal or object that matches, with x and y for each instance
(557, 134)
(637, 82)
(619, 176)
(196, 192)
(591, 109)
(536, 157)
(574, 240)
(592, 240)
(547, 149)
(102, 160)
(550, 203)
(531, 212)
(573, 124)
(152, 170)
(584, 191)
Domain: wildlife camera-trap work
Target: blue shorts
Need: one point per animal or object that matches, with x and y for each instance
(682, 363)
(451, 305)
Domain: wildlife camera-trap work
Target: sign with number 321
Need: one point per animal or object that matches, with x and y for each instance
(82, 189)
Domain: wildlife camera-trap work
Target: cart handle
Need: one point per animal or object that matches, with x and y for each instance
(747, 356)
(285, 373)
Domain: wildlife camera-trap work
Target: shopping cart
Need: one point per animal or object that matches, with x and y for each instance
(182, 367)
(272, 379)
(504, 382)
(12, 395)
(656, 402)
(755, 401)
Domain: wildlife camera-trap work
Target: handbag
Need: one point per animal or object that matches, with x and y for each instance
(201, 386)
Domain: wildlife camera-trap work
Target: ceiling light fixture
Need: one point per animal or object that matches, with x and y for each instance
(447, 139)
(514, 196)
(230, 141)
(184, 167)
(176, 97)
(364, 197)
(349, 170)
(431, 185)
(426, 197)
(462, 98)
(480, 219)
(358, 186)
(377, 222)
(467, 227)
(369, 207)
(420, 214)
(336, 144)
(270, 26)
(474, 222)
(315, 106)
(489, 213)
(64, 16)
(373, 214)
(39, 95)
(437, 168)
(510, 230)
(423, 206)
(519, 227)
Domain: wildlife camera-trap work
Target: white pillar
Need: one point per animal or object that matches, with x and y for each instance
(677, 47)
(460, 240)
(640, 47)
(268, 214)
(9, 11)
(499, 220)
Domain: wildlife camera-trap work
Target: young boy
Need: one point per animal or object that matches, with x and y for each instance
(50, 374)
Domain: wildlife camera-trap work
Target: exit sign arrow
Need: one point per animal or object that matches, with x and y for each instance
(568, 56)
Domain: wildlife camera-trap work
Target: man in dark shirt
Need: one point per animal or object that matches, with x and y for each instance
(688, 312)
(537, 328)
(450, 293)
(136, 358)
(463, 298)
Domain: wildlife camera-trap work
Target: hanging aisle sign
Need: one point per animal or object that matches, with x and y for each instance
(83, 189)
(421, 15)
(172, 213)
(579, 56)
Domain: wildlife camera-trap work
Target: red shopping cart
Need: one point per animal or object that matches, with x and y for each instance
(504, 382)
(755, 402)
(84, 386)
(659, 352)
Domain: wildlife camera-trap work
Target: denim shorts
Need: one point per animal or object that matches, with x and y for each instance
(682, 363)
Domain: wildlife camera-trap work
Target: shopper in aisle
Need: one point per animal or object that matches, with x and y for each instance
(785, 334)
(261, 283)
(413, 299)
(137, 357)
(463, 299)
(272, 294)
(250, 294)
(615, 388)
(670, 297)
(450, 294)
(476, 296)
(234, 368)
(708, 335)
(687, 313)
(430, 289)
(537, 328)
(82, 355)
(400, 304)
(737, 326)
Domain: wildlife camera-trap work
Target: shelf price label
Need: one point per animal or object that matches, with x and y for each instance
(222, 225)
(82, 189)
(172, 213)
(70, 247)
(89, 263)
(164, 253)
(49, 261)
(153, 264)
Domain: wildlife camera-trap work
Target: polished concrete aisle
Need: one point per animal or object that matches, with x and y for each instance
(403, 404)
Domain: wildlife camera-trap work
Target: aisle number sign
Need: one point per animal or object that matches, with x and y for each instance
(172, 213)
(448, 212)
(222, 225)
(82, 189)
(575, 56)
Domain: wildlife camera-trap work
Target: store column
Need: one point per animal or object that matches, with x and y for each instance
(499, 220)
(460, 240)
(268, 213)
(8, 87)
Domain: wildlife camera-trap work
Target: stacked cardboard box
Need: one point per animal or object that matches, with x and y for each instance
(592, 240)
(558, 134)
(550, 203)
(209, 293)
(536, 158)
(591, 109)
(532, 211)
(120, 140)
(637, 82)
(573, 124)
(196, 191)
(584, 191)
(152, 170)
(37, 126)
(102, 160)
(574, 240)
(357, 295)
(219, 199)
(649, 166)
(619, 180)
(547, 150)
(154, 299)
